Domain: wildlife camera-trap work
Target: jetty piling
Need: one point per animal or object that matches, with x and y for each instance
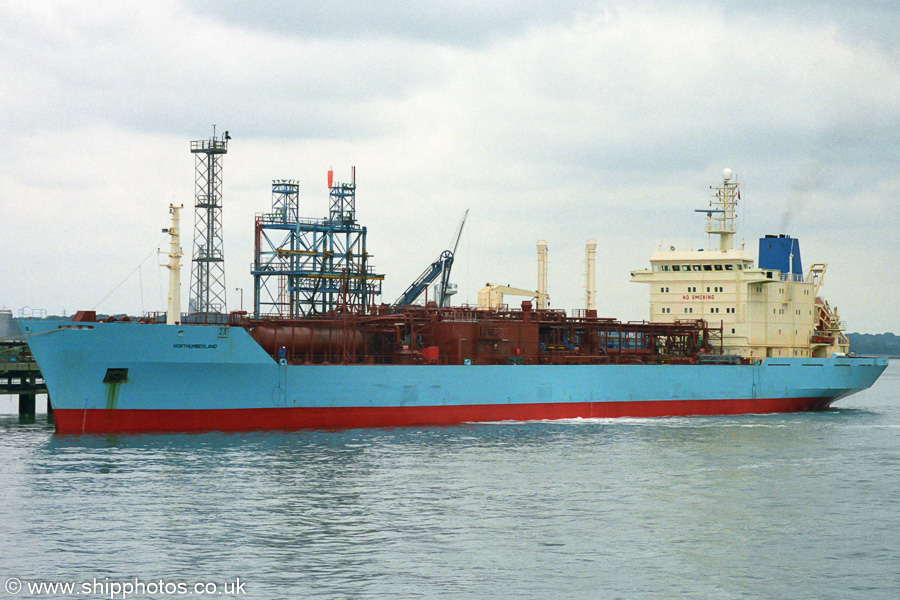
(19, 375)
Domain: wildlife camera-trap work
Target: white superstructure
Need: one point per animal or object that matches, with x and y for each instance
(763, 310)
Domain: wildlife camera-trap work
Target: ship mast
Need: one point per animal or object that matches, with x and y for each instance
(173, 314)
(207, 295)
(720, 216)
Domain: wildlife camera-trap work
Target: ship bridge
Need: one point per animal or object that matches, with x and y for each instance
(771, 309)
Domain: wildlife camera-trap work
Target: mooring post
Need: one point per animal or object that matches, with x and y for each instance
(26, 407)
(49, 410)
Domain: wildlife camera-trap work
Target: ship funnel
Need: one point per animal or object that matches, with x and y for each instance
(782, 253)
(542, 274)
(590, 255)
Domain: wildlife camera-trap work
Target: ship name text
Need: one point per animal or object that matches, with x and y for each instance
(196, 346)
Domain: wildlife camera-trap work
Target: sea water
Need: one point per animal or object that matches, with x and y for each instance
(774, 506)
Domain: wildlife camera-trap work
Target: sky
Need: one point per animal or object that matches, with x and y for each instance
(560, 121)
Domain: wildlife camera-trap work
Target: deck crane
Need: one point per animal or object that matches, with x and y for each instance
(491, 296)
(440, 267)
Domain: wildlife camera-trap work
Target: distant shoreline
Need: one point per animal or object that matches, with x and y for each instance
(875, 344)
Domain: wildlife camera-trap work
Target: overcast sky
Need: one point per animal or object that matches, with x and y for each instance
(562, 121)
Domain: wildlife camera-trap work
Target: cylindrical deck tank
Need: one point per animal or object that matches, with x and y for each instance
(299, 340)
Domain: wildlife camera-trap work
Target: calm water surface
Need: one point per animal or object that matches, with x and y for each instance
(785, 506)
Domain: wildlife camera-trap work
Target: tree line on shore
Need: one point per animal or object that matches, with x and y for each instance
(881, 344)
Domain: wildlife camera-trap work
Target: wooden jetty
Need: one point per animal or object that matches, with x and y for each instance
(19, 375)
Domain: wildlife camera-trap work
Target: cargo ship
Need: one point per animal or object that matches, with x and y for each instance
(725, 336)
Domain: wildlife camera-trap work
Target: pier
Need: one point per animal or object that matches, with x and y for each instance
(19, 375)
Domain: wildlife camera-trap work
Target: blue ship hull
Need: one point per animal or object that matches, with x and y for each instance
(127, 377)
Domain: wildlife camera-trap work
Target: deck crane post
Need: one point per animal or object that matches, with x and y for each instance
(440, 267)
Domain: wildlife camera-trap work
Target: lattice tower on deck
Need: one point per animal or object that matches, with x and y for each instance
(306, 267)
(208, 266)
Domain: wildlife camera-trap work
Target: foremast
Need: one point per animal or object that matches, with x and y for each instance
(173, 312)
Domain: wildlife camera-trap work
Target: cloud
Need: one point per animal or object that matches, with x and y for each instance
(563, 122)
(159, 68)
(466, 23)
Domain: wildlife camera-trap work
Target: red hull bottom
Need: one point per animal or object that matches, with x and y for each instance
(250, 419)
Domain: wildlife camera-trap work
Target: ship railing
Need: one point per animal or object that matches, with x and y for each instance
(155, 316)
(189, 318)
(206, 318)
(213, 145)
(461, 316)
(791, 277)
(278, 217)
